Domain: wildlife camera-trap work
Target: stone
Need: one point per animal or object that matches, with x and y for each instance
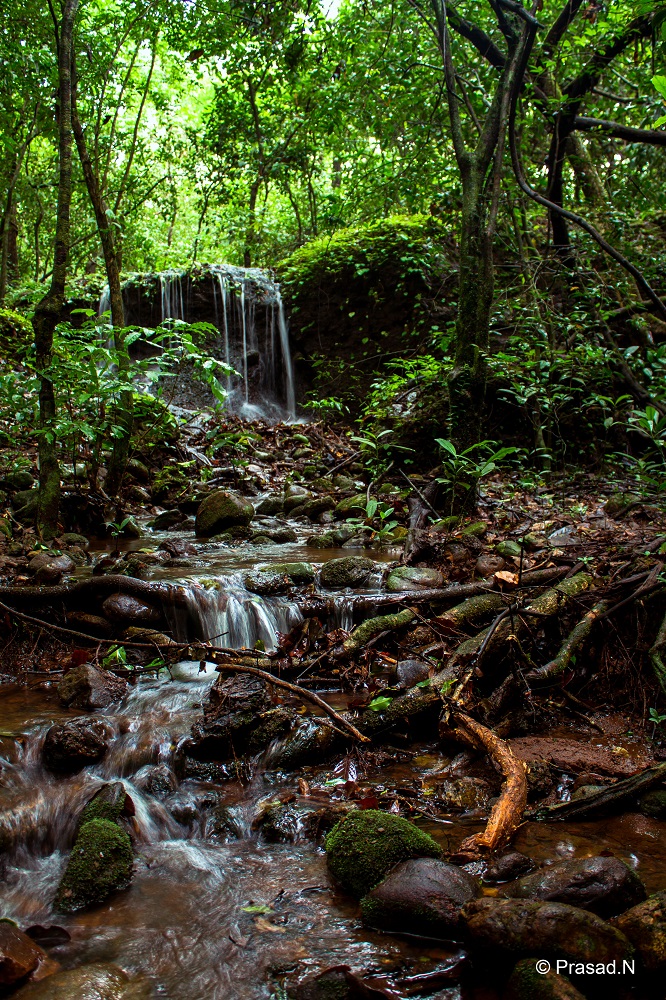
(351, 506)
(508, 549)
(344, 483)
(645, 926)
(310, 742)
(178, 548)
(156, 779)
(109, 802)
(71, 745)
(654, 803)
(95, 625)
(489, 564)
(148, 635)
(88, 982)
(90, 687)
(336, 983)
(298, 572)
(363, 847)
(73, 538)
(48, 569)
(411, 672)
(554, 930)
(294, 497)
(21, 479)
(466, 794)
(100, 863)
(525, 983)
(313, 509)
(137, 470)
(350, 571)
(263, 582)
(422, 896)
(508, 867)
(220, 510)
(270, 505)
(230, 716)
(413, 578)
(123, 609)
(19, 955)
(605, 886)
(167, 519)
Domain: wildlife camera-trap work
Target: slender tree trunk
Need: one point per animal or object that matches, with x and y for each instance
(47, 313)
(121, 446)
(251, 233)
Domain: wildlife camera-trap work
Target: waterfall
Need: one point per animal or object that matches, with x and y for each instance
(246, 308)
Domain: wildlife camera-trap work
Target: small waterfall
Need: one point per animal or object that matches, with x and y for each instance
(249, 314)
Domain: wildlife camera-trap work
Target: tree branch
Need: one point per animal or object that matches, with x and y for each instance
(652, 137)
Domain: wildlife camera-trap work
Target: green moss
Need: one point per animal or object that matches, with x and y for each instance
(108, 803)
(366, 844)
(100, 863)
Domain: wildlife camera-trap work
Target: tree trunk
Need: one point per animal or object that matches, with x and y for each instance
(47, 313)
(251, 233)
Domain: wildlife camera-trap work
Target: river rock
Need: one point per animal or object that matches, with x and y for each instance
(507, 867)
(413, 578)
(19, 955)
(266, 582)
(422, 896)
(411, 672)
(156, 779)
(351, 505)
(178, 548)
(167, 519)
(350, 571)
(74, 744)
(100, 863)
(526, 983)
(271, 505)
(554, 930)
(220, 510)
(298, 572)
(48, 570)
(314, 508)
(336, 983)
(295, 496)
(654, 803)
(645, 926)
(88, 982)
(93, 625)
(363, 847)
(606, 886)
(109, 802)
(230, 716)
(311, 741)
(90, 687)
(123, 609)
(487, 565)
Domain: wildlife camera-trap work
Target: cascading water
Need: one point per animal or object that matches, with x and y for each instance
(249, 314)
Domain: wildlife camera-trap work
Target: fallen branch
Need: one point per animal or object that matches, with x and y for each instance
(607, 800)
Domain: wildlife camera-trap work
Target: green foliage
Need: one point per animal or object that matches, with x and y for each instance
(463, 470)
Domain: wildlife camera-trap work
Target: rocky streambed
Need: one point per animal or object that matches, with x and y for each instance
(171, 827)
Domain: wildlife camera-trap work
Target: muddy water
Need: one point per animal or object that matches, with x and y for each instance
(235, 920)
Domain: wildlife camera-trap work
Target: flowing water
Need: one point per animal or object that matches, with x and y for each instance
(218, 912)
(246, 307)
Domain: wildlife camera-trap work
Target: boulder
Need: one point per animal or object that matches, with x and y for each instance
(654, 803)
(363, 847)
(109, 802)
(123, 609)
(413, 578)
(230, 716)
(271, 505)
(606, 886)
(350, 571)
(508, 549)
(19, 955)
(411, 672)
(313, 508)
(422, 896)
(525, 983)
(553, 930)
(100, 863)
(298, 572)
(311, 741)
(507, 867)
(21, 479)
(48, 569)
(337, 983)
(72, 745)
(294, 496)
(351, 506)
(487, 565)
(177, 548)
(90, 687)
(220, 510)
(88, 982)
(645, 926)
(266, 582)
(167, 519)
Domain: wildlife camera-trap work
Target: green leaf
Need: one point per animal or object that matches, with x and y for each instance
(380, 704)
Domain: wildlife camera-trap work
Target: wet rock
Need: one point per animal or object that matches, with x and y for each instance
(148, 635)
(413, 578)
(336, 983)
(178, 548)
(344, 483)
(654, 803)
(422, 896)
(88, 982)
(488, 565)
(220, 510)
(310, 742)
(90, 687)
(73, 538)
(167, 519)
(229, 717)
(110, 802)
(72, 745)
(100, 863)
(508, 549)
(294, 497)
(266, 582)
(269, 726)
(467, 794)
(526, 983)
(313, 509)
(645, 926)
(279, 822)
(93, 625)
(554, 930)
(508, 867)
(272, 504)
(351, 505)
(21, 479)
(411, 672)
(298, 572)
(157, 780)
(605, 886)
(123, 609)
(19, 955)
(350, 571)
(362, 848)
(48, 569)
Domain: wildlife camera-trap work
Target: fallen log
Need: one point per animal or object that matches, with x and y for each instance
(148, 590)
(607, 800)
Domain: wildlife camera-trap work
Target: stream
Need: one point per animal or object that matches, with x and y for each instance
(218, 911)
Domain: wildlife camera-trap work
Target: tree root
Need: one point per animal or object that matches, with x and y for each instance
(507, 813)
(363, 633)
(571, 645)
(150, 591)
(657, 655)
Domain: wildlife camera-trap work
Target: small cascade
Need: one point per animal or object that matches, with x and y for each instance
(246, 308)
(227, 614)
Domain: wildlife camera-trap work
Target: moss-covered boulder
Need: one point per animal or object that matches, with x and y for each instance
(108, 802)
(221, 510)
(100, 863)
(525, 983)
(413, 578)
(645, 926)
(298, 572)
(363, 848)
(350, 571)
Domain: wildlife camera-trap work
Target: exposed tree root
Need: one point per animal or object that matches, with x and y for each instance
(150, 591)
(573, 642)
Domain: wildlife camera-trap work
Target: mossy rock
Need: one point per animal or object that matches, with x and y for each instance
(363, 847)
(350, 571)
(508, 549)
(222, 510)
(100, 863)
(351, 505)
(107, 803)
(298, 572)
